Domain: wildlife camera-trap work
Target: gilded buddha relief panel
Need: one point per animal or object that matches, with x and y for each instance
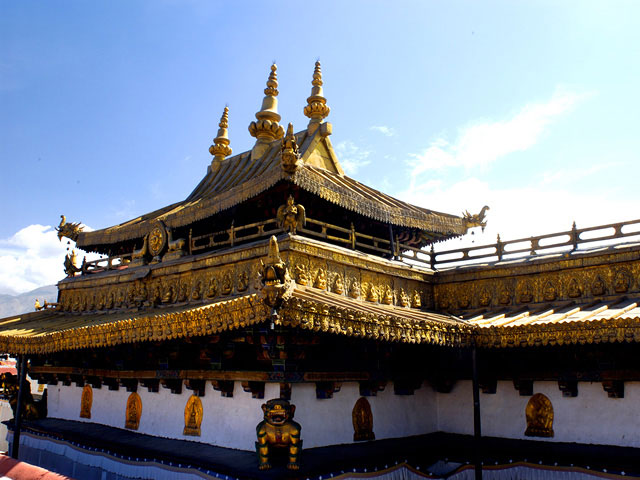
(575, 284)
(188, 287)
(193, 414)
(133, 412)
(539, 415)
(86, 401)
(183, 284)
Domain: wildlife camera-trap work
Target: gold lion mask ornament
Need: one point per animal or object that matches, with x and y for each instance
(278, 430)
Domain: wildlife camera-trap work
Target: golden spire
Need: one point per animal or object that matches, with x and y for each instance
(267, 128)
(316, 109)
(220, 148)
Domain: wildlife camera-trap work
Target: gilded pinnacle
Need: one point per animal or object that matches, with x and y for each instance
(272, 83)
(290, 152)
(316, 109)
(267, 129)
(220, 148)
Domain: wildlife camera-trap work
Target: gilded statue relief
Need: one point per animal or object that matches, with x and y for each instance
(278, 430)
(86, 402)
(134, 411)
(193, 416)
(622, 281)
(539, 413)
(291, 216)
(362, 421)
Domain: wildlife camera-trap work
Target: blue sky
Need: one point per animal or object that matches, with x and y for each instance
(107, 108)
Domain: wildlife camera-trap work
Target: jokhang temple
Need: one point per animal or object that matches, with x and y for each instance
(287, 321)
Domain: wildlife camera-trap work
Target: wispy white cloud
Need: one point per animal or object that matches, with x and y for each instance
(386, 131)
(565, 176)
(126, 210)
(33, 257)
(484, 142)
(352, 157)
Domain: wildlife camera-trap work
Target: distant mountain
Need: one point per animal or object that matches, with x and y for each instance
(23, 303)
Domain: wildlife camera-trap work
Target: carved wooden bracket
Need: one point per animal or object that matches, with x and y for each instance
(569, 388)
(225, 387)
(327, 389)
(50, 379)
(174, 384)
(112, 383)
(371, 389)
(256, 389)
(198, 386)
(614, 388)
(151, 384)
(406, 387)
(95, 382)
(489, 386)
(66, 380)
(285, 391)
(78, 380)
(524, 387)
(131, 384)
(443, 385)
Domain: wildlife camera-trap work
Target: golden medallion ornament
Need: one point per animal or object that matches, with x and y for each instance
(193, 414)
(157, 240)
(362, 421)
(539, 413)
(134, 412)
(86, 401)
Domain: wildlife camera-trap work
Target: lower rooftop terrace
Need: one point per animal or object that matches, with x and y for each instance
(572, 242)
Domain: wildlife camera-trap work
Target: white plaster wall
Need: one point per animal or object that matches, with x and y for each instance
(231, 422)
(591, 417)
(329, 422)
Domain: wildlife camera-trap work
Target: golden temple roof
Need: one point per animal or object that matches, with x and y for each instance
(611, 320)
(615, 320)
(242, 177)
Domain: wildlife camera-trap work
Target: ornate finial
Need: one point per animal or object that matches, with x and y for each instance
(69, 230)
(316, 109)
(476, 220)
(220, 148)
(274, 277)
(267, 128)
(290, 152)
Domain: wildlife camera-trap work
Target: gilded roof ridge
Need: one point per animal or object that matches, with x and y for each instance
(242, 177)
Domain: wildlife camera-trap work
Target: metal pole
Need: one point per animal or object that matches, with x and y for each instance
(22, 375)
(477, 427)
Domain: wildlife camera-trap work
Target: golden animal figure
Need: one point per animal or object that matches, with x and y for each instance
(291, 216)
(278, 430)
(71, 264)
(69, 230)
(476, 220)
(539, 413)
(142, 252)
